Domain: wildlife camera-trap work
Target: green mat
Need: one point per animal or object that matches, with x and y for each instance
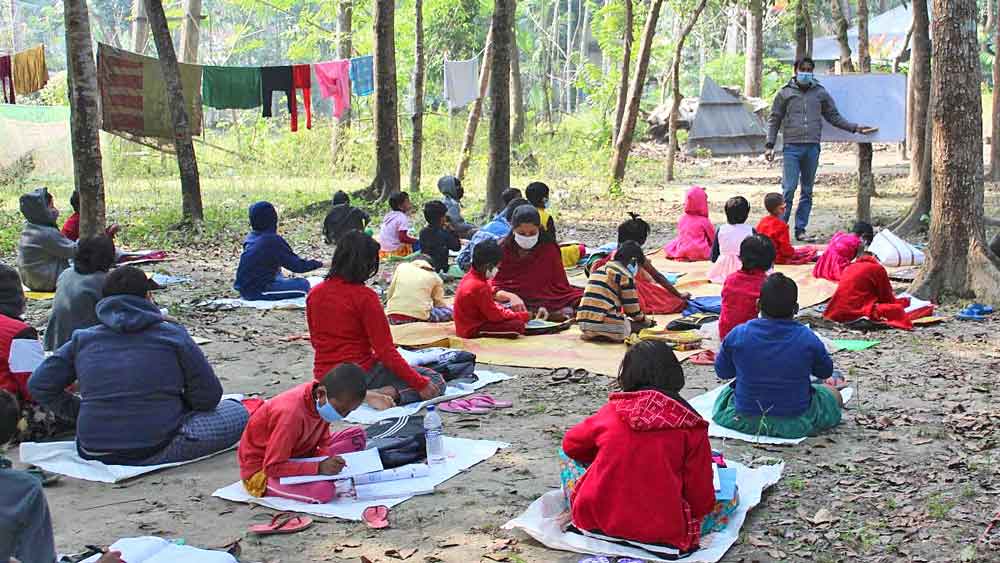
(855, 345)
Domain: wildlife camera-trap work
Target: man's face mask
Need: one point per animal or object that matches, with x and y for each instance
(804, 78)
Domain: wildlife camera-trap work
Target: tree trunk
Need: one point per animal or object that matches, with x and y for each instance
(846, 65)
(516, 86)
(995, 121)
(624, 142)
(183, 146)
(676, 78)
(866, 178)
(623, 79)
(418, 96)
(387, 180)
(913, 221)
(731, 39)
(498, 173)
(553, 53)
(753, 76)
(344, 9)
(85, 116)
(567, 81)
(919, 135)
(959, 264)
(809, 28)
(140, 27)
(190, 31)
(477, 109)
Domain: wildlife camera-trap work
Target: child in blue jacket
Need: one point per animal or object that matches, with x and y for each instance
(265, 253)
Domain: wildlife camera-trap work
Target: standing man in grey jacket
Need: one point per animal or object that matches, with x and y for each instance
(799, 109)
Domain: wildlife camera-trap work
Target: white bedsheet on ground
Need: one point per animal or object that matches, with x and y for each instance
(544, 520)
(367, 415)
(705, 403)
(226, 303)
(462, 454)
(157, 550)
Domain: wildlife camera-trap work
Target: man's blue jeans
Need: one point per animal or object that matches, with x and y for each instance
(800, 160)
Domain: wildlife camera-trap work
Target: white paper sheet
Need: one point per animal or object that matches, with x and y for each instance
(25, 355)
(223, 304)
(462, 454)
(358, 463)
(544, 518)
(705, 404)
(875, 100)
(157, 550)
(915, 303)
(367, 415)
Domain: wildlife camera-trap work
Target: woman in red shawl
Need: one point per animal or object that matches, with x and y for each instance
(865, 291)
(843, 248)
(533, 270)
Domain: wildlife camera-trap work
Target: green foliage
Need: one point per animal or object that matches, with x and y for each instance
(729, 70)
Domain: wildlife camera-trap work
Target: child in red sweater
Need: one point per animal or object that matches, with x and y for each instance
(742, 287)
(774, 228)
(477, 312)
(649, 477)
(296, 424)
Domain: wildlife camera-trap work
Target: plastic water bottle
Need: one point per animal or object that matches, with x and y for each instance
(434, 431)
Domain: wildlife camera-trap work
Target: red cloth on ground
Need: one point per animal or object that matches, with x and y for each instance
(15, 383)
(302, 79)
(284, 427)
(475, 309)
(537, 276)
(777, 230)
(654, 299)
(842, 249)
(71, 228)
(695, 232)
(347, 324)
(739, 299)
(865, 291)
(650, 473)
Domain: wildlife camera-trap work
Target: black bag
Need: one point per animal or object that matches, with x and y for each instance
(692, 322)
(454, 364)
(341, 219)
(400, 440)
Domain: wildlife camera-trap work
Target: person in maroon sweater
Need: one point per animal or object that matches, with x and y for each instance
(741, 289)
(648, 481)
(477, 310)
(347, 325)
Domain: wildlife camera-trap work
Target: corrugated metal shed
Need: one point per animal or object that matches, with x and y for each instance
(723, 125)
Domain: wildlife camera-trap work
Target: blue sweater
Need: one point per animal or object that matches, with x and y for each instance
(139, 375)
(771, 361)
(265, 253)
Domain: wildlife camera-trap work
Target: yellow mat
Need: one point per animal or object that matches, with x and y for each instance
(38, 295)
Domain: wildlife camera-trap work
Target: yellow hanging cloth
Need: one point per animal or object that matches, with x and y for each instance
(30, 72)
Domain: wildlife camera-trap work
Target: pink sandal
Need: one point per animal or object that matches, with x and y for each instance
(461, 406)
(486, 401)
(376, 517)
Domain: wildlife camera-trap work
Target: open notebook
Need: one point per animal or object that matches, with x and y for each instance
(158, 550)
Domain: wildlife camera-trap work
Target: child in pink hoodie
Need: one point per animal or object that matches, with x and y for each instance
(695, 233)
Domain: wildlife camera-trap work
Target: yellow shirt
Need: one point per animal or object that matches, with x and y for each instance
(414, 290)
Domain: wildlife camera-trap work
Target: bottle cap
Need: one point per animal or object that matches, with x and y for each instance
(431, 408)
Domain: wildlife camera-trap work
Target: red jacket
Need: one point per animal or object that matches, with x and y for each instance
(777, 230)
(71, 228)
(15, 383)
(347, 324)
(740, 293)
(475, 306)
(865, 291)
(650, 473)
(284, 427)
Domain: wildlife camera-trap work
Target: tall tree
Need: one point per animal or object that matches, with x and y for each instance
(753, 75)
(190, 31)
(418, 96)
(840, 20)
(465, 156)
(344, 17)
(386, 129)
(919, 133)
(140, 26)
(498, 173)
(623, 144)
(623, 79)
(866, 178)
(803, 30)
(995, 122)
(187, 162)
(675, 73)
(516, 84)
(85, 115)
(959, 264)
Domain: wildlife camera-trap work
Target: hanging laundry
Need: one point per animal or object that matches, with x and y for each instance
(279, 79)
(302, 79)
(6, 80)
(461, 82)
(363, 75)
(231, 87)
(335, 82)
(134, 94)
(30, 72)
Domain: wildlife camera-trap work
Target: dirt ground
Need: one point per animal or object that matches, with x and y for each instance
(910, 475)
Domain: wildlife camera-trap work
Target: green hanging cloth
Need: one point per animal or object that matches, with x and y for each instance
(231, 87)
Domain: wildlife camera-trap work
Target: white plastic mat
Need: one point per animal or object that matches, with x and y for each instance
(367, 415)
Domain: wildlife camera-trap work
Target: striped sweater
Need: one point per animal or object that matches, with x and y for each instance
(610, 295)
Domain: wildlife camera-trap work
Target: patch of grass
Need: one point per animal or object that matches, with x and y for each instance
(796, 484)
(938, 507)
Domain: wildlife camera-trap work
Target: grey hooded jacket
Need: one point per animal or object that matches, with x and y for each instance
(43, 252)
(800, 113)
(448, 186)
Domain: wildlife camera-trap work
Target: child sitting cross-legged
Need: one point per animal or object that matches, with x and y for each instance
(296, 424)
(645, 459)
(776, 398)
(416, 293)
(726, 250)
(742, 288)
(477, 303)
(438, 237)
(865, 293)
(265, 253)
(775, 228)
(394, 238)
(695, 233)
(610, 308)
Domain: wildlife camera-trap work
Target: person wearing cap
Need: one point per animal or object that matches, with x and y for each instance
(147, 394)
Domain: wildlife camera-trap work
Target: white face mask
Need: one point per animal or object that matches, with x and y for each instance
(491, 273)
(524, 242)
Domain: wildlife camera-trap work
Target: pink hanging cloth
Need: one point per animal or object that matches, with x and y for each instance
(334, 80)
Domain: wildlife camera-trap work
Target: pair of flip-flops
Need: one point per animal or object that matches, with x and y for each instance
(559, 376)
(376, 517)
(974, 312)
(282, 523)
(473, 404)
